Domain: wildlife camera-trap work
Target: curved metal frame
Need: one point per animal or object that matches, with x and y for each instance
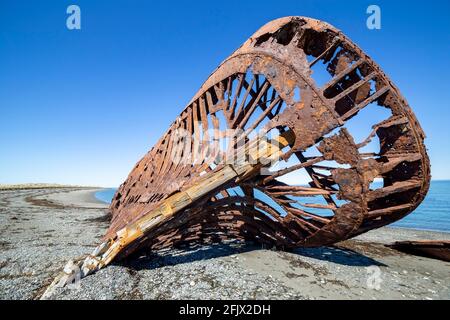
(261, 78)
(272, 84)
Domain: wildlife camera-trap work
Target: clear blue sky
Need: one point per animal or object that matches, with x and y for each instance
(83, 106)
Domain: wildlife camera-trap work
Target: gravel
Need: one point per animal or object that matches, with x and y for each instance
(41, 229)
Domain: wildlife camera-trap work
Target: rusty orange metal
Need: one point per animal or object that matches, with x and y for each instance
(256, 87)
(303, 87)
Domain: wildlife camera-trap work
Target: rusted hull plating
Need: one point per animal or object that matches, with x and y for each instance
(286, 55)
(306, 82)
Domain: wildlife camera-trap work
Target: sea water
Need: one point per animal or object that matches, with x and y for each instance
(432, 214)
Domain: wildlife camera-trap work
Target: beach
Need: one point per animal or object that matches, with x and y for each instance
(43, 228)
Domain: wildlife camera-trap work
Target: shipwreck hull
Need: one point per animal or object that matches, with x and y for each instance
(296, 75)
(287, 103)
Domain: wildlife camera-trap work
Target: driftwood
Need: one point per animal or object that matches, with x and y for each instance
(271, 102)
(436, 249)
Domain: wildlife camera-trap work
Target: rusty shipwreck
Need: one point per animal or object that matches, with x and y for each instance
(299, 83)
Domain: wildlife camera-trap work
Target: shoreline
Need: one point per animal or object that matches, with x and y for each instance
(41, 229)
(76, 197)
(31, 186)
(89, 196)
(445, 232)
(417, 229)
(100, 199)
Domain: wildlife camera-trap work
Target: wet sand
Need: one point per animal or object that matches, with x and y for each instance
(41, 229)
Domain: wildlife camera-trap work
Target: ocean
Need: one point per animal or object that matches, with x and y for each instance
(432, 214)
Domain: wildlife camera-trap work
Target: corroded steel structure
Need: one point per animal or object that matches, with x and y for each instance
(267, 70)
(305, 82)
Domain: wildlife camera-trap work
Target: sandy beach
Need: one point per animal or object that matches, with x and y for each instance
(42, 228)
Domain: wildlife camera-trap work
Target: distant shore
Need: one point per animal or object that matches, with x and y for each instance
(42, 228)
(25, 186)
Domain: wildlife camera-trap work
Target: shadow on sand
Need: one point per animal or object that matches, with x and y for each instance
(152, 260)
(344, 256)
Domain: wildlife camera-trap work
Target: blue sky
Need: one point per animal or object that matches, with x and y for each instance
(83, 106)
